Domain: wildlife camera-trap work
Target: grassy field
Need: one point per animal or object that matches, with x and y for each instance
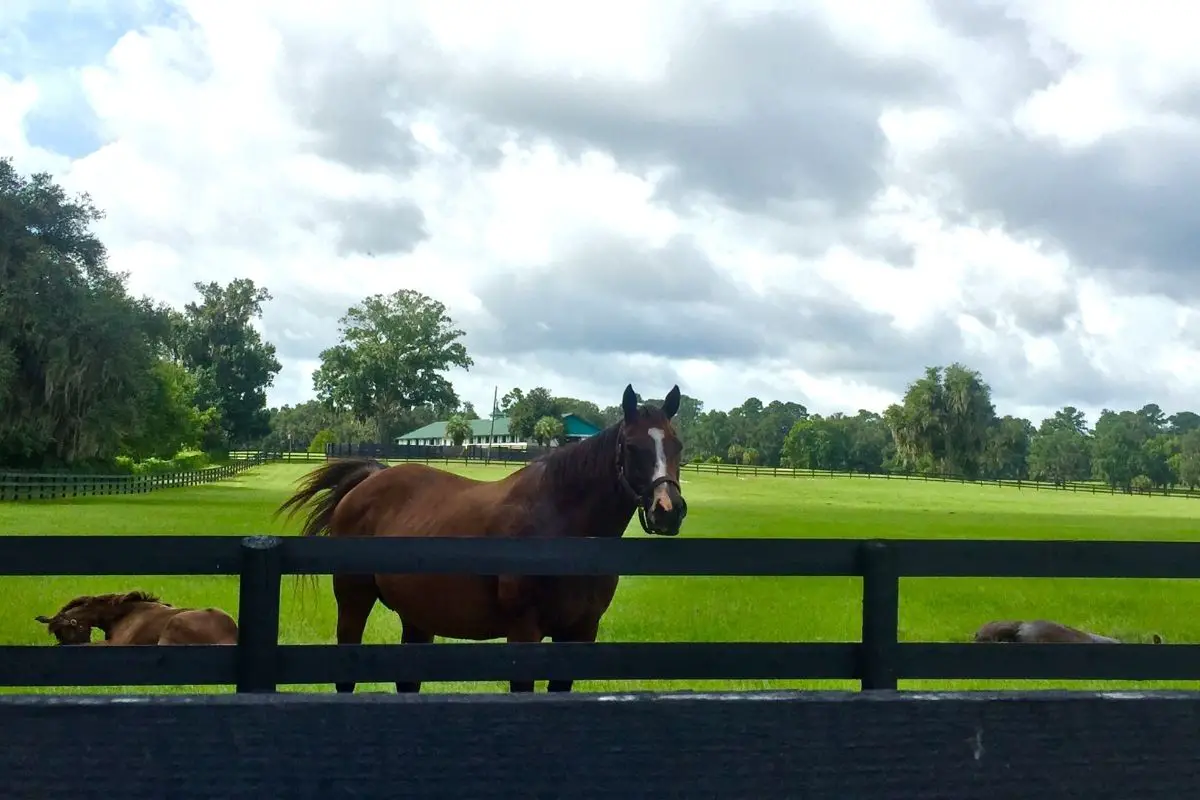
(692, 609)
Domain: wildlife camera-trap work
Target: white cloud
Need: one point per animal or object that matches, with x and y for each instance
(251, 140)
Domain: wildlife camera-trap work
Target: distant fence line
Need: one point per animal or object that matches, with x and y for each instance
(431, 452)
(17, 485)
(476, 454)
(1081, 487)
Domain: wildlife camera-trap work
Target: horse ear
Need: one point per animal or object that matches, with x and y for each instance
(42, 618)
(671, 404)
(1157, 639)
(629, 405)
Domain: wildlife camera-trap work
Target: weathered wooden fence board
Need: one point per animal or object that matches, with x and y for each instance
(966, 746)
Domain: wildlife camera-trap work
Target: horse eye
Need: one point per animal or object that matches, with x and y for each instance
(639, 453)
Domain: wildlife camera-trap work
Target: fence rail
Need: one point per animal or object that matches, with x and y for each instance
(259, 663)
(761, 745)
(1078, 487)
(18, 485)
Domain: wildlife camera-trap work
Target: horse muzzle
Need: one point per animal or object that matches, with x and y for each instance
(665, 509)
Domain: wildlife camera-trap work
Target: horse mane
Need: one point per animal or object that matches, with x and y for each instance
(92, 601)
(591, 459)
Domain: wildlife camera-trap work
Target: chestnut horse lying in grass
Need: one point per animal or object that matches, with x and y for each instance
(1040, 631)
(138, 618)
(588, 488)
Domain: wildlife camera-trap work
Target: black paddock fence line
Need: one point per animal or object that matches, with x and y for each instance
(30, 485)
(259, 663)
(876, 743)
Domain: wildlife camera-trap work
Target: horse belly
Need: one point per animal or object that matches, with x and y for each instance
(565, 604)
(139, 631)
(200, 626)
(451, 606)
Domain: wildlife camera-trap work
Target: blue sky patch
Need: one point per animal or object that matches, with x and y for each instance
(49, 41)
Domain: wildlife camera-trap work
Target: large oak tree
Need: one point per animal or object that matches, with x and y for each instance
(390, 360)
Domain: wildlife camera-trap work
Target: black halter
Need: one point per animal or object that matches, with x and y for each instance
(644, 498)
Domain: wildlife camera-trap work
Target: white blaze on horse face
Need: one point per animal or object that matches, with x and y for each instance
(660, 468)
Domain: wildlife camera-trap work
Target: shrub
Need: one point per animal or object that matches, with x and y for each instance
(190, 460)
(323, 437)
(153, 465)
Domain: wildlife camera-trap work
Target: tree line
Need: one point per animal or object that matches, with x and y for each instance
(90, 375)
(946, 424)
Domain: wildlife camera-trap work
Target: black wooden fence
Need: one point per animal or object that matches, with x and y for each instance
(878, 660)
(906, 745)
(30, 485)
(433, 452)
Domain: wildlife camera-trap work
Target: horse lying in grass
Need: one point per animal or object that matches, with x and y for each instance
(138, 618)
(1040, 631)
(589, 488)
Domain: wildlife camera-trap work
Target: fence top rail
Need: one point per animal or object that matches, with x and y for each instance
(29, 555)
(1054, 697)
(308, 664)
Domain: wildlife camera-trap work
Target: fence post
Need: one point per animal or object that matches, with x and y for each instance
(258, 614)
(880, 615)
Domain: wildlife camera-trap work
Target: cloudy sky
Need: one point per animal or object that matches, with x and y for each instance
(809, 200)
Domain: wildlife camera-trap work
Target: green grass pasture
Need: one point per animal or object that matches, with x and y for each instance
(692, 609)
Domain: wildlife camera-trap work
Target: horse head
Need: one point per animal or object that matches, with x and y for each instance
(648, 456)
(67, 629)
(74, 621)
(999, 631)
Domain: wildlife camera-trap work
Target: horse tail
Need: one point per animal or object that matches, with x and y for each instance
(336, 479)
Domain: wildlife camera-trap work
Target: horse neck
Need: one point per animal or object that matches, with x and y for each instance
(588, 490)
(105, 617)
(1057, 632)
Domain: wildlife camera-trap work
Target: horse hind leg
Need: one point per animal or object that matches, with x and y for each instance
(410, 634)
(355, 596)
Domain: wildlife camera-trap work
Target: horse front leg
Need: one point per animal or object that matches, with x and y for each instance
(528, 630)
(584, 632)
(409, 634)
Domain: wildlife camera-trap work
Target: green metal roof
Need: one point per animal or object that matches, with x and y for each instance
(479, 428)
(575, 425)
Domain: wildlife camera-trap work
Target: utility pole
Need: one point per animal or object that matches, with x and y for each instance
(487, 459)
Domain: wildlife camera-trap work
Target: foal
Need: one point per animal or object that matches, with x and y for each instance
(138, 618)
(1040, 631)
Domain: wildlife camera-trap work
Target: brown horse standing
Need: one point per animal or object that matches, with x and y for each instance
(138, 618)
(589, 488)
